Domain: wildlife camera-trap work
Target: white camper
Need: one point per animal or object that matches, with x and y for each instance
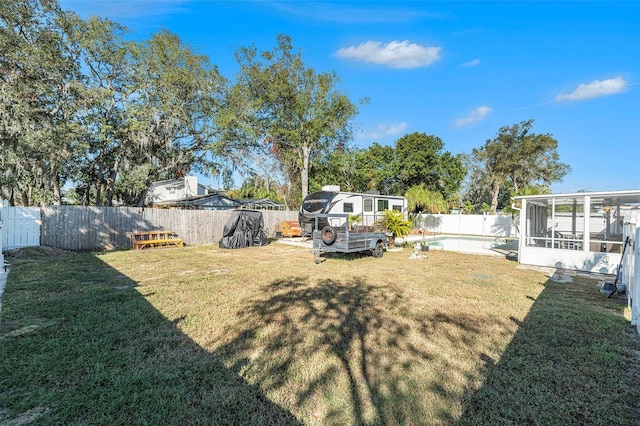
(369, 207)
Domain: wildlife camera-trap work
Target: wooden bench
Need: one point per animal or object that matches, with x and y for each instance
(154, 239)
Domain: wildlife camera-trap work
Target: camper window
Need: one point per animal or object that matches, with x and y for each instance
(397, 208)
(347, 207)
(383, 205)
(368, 205)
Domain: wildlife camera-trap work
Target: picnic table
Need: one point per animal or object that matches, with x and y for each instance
(154, 239)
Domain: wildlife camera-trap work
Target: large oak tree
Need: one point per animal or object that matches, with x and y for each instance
(39, 96)
(79, 103)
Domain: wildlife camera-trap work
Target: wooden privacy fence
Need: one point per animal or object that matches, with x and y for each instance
(82, 228)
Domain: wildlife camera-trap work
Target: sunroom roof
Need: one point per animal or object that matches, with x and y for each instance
(623, 198)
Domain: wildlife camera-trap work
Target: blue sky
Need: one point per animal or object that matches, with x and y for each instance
(457, 70)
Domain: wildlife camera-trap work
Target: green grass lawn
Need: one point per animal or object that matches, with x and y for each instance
(262, 335)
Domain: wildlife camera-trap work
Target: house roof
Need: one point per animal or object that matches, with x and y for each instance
(208, 200)
(262, 203)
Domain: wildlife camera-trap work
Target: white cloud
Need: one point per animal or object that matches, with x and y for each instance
(396, 54)
(595, 89)
(471, 63)
(385, 130)
(475, 116)
(394, 129)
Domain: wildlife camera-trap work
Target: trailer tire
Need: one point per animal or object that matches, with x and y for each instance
(378, 251)
(328, 235)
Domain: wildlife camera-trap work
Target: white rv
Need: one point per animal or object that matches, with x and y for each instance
(368, 207)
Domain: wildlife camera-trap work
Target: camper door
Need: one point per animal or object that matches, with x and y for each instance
(368, 213)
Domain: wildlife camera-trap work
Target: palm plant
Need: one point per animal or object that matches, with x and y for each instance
(421, 199)
(354, 219)
(396, 224)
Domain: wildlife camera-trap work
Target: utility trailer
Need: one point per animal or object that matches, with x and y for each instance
(336, 237)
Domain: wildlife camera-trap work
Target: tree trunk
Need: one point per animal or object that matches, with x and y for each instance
(57, 193)
(495, 191)
(98, 182)
(9, 195)
(304, 173)
(86, 196)
(102, 189)
(111, 182)
(142, 198)
(25, 197)
(99, 190)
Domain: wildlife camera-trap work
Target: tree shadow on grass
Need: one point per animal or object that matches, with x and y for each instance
(92, 350)
(79, 344)
(570, 362)
(348, 352)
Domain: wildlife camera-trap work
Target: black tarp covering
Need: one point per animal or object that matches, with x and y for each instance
(245, 228)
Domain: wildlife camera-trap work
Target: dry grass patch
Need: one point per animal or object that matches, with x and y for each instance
(265, 336)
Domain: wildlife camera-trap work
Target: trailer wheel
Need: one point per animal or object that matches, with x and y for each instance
(328, 235)
(378, 251)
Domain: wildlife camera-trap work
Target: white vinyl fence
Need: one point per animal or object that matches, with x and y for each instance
(471, 224)
(2, 231)
(20, 226)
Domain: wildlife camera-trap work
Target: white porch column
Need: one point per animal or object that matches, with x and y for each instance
(587, 222)
(635, 285)
(523, 228)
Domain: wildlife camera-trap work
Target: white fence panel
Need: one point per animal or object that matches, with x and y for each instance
(3, 230)
(471, 224)
(20, 227)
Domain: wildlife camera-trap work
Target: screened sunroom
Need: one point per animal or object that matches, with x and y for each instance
(581, 231)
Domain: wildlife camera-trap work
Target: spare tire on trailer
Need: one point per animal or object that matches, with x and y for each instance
(328, 235)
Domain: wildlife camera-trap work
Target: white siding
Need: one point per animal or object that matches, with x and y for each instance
(175, 189)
